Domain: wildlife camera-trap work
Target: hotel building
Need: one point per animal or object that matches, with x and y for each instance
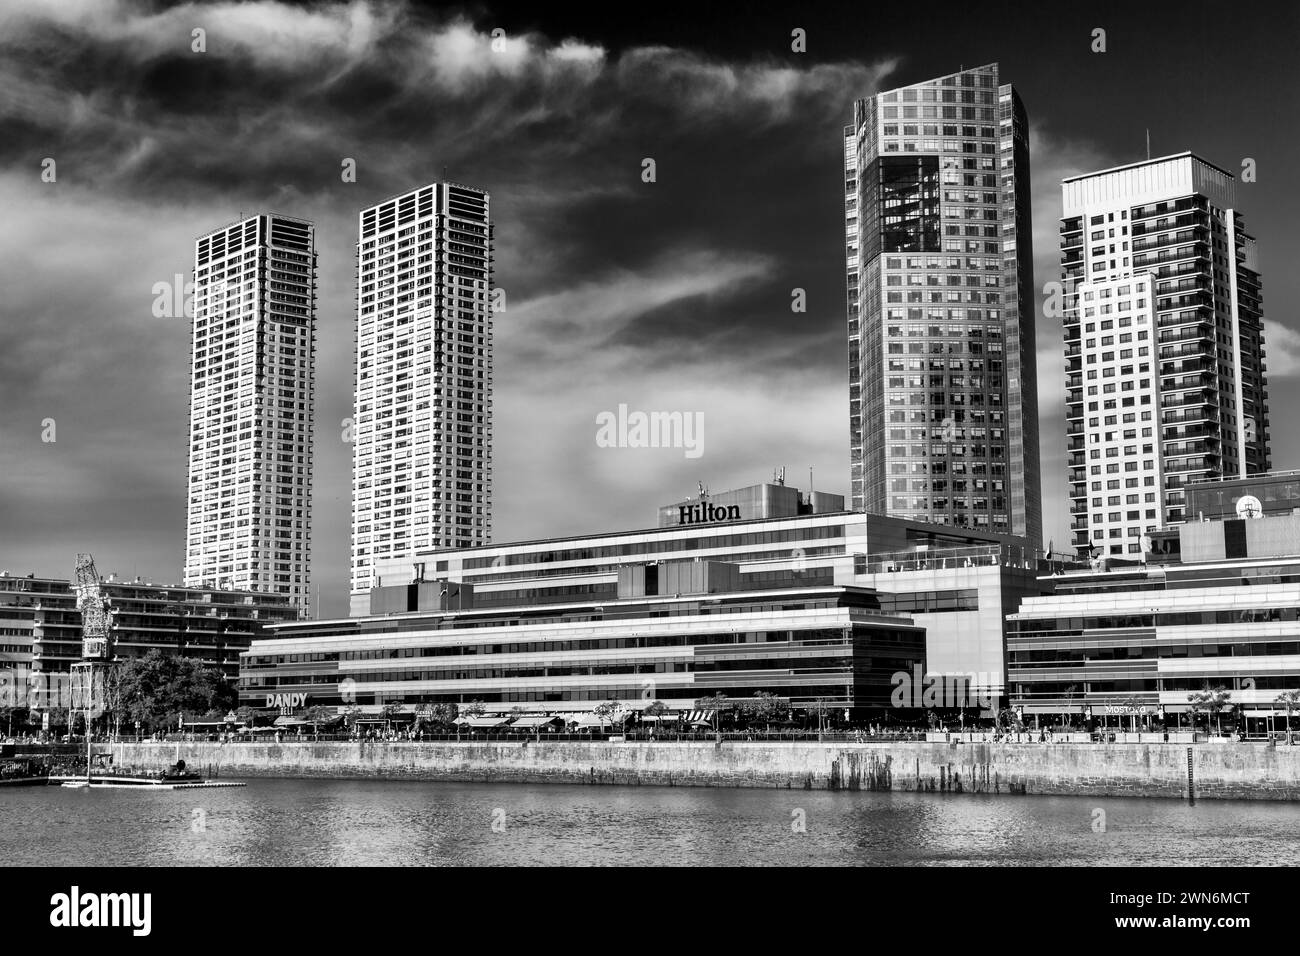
(706, 637)
(1163, 346)
(422, 459)
(942, 379)
(1223, 611)
(955, 585)
(251, 406)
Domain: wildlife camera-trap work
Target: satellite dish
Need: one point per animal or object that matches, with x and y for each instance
(1248, 506)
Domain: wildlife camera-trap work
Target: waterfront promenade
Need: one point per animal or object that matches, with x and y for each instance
(1222, 770)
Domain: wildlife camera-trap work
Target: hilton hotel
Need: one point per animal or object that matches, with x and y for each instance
(579, 620)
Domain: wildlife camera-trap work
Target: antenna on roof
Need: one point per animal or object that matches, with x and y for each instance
(810, 481)
(1148, 142)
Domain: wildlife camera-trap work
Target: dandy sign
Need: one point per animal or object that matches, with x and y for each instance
(286, 701)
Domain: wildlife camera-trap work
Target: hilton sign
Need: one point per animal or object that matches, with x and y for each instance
(705, 513)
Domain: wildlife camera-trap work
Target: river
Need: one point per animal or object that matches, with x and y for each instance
(360, 822)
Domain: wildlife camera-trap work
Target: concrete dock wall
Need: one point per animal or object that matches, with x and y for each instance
(1228, 770)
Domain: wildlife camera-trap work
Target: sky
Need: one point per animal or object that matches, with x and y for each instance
(673, 295)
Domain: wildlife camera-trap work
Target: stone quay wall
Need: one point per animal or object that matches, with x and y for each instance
(1218, 770)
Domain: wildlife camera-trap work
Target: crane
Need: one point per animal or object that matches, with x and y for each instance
(95, 624)
(96, 648)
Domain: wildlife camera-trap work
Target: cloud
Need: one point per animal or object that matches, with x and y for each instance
(1282, 350)
(672, 295)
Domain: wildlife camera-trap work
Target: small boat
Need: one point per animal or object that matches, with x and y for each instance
(176, 777)
(123, 782)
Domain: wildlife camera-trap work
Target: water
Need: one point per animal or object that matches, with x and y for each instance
(340, 822)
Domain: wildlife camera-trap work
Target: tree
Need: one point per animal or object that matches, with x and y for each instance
(473, 709)
(1069, 701)
(819, 707)
(1289, 699)
(10, 715)
(156, 687)
(444, 714)
(605, 711)
(58, 717)
(1212, 702)
(391, 710)
(317, 714)
(762, 706)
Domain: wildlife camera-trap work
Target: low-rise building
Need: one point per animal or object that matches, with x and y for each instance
(672, 633)
(40, 626)
(1136, 639)
(955, 585)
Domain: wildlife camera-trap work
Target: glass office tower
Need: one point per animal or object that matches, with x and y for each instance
(942, 385)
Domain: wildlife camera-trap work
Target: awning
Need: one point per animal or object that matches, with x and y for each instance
(534, 721)
(656, 718)
(486, 721)
(590, 720)
(289, 722)
(699, 717)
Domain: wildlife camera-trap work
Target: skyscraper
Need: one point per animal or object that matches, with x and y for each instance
(943, 403)
(1163, 345)
(251, 405)
(422, 462)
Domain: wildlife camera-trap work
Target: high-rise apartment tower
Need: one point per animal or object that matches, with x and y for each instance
(251, 398)
(1163, 345)
(422, 463)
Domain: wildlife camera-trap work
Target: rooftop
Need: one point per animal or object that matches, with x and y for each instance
(1186, 154)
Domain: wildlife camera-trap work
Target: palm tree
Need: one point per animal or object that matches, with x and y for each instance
(1288, 699)
(1212, 702)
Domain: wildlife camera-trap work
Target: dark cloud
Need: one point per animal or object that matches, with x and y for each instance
(666, 296)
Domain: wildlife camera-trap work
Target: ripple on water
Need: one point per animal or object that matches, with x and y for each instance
(391, 823)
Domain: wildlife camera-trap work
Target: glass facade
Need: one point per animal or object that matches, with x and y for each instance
(940, 313)
(1149, 637)
(833, 644)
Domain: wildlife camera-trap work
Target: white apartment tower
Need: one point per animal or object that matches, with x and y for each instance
(422, 459)
(251, 404)
(1163, 346)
